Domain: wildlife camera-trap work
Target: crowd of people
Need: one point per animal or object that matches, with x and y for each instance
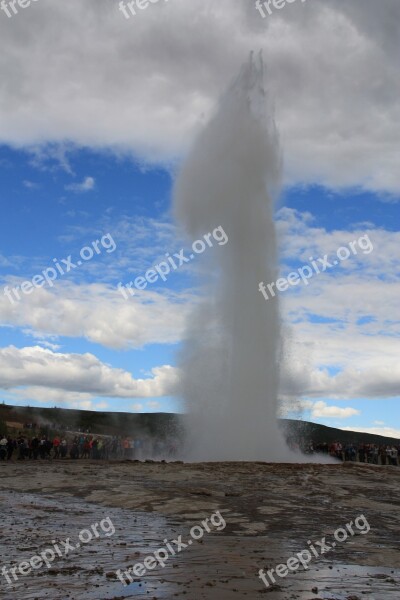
(88, 446)
(365, 453)
(85, 446)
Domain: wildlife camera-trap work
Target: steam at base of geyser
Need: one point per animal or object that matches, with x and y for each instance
(230, 360)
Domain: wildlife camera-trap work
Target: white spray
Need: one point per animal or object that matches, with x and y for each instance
(230, 359)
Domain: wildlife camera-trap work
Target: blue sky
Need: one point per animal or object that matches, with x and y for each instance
(90, 146)
(47, 215)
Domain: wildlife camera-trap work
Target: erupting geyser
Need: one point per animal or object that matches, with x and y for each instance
(230, 360)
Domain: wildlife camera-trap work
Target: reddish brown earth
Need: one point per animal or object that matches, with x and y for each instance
(271, 511)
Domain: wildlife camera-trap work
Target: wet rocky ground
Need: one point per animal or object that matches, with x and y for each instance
(272, 512)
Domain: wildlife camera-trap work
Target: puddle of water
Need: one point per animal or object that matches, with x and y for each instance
(343, 581)
(224, 566)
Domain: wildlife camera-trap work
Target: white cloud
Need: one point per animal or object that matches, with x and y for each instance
(31, 185)
(49, 376)
(50, 345)
(342, 334)
(153, 405)
(49, 395)
(83, 405)
(4, 262)
(137, 407)
(87, 184)
(375, 373)
(102, 405)
(73, 310)
(320, 410)
(385, 431)
(328, 354)
(47, 156)
(332, 67)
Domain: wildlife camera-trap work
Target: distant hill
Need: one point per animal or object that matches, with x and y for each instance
(106, 423)
(304, 430)
(156, 424)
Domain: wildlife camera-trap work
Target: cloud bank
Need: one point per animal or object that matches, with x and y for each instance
(332, 69)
